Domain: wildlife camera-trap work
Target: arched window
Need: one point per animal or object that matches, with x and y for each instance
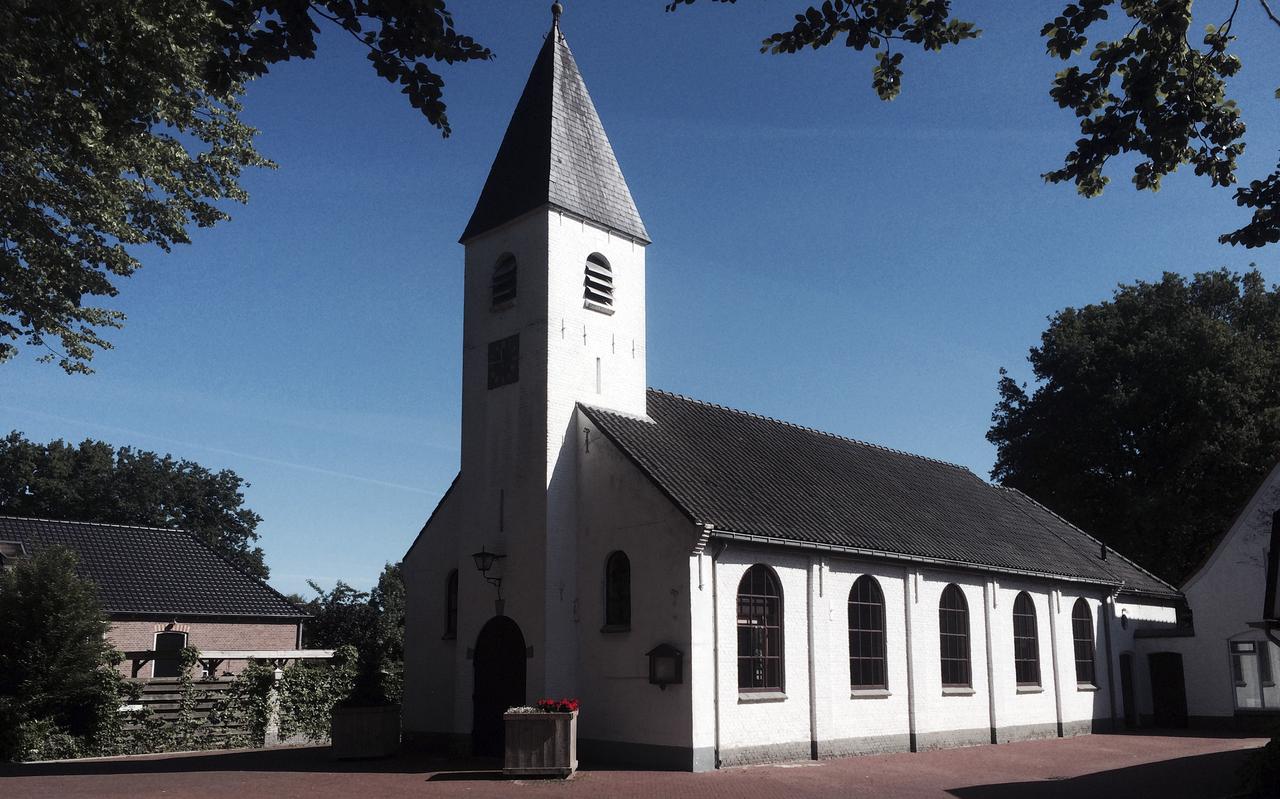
(866, 634)
(953, 638)
(617, 591)
(1026, 643)
(1082, 637)
(759, 631)
(597, 284)
(451, 605)
(503, 287)
(168, 645)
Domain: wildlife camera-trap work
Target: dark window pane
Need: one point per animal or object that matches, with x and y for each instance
(1082, 633)
(617, 590)
(504, 361)
(759, 631)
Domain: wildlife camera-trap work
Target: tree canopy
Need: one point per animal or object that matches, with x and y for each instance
(56, 667)
(120, 128)
(95, 482)
(1143, 89)
(1155, 415)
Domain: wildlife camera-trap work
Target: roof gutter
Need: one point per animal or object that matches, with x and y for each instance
(728, 535)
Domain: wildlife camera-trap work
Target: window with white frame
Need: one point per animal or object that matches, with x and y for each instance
(1253, 675)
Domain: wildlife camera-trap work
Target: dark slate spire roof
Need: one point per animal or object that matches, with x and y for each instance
(759, 478)
(556, 153)
(153, 570)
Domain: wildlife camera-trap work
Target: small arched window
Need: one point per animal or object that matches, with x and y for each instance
(451, 605)
(1026, 642)
(617, 591)
(503, 286)
(759, 631)
(866, 634)
(953, 638)
(1082, 637)
(597, 292)
(167, 662)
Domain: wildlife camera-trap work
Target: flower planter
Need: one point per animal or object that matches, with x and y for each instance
(541, 744)
(364, 732)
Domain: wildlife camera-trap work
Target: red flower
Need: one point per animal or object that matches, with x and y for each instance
(558, 705)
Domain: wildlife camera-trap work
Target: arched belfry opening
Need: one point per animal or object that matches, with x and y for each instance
(499, 682)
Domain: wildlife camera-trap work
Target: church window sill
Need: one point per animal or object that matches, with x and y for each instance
(958, 690)
(597, 307)
(1086, 686)
(502, 306)
(1030, 689)
(615, 628)
(755, 697)
(869, 693)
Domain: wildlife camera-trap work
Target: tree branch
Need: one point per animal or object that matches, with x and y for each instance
(1270, 14)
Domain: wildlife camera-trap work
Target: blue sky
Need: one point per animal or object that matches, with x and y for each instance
(819, 256)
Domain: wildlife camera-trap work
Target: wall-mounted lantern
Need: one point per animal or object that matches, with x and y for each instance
(666, 666)
(485, 561)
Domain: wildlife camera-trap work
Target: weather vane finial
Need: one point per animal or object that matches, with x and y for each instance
(556, 11)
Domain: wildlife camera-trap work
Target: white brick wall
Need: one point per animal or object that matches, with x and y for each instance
(1226, 594)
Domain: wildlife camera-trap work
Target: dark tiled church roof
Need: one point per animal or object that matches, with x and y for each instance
(150, 570)
(754, 476)
(556, 153)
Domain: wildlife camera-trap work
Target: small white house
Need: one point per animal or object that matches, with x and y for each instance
(1220, 671)
(716, 587)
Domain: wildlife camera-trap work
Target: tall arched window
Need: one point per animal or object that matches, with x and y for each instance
(451, 605)
(953, 638)
(617, 591)
(866, 634)
(597, 284)
(503, 287)
(1082, 637)
(759, 631)
(1026, 642)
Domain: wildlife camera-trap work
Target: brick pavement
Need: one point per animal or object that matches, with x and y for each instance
(1096, 766)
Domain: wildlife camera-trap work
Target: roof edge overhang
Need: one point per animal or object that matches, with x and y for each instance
(144, 615)
(560, 209)
(898, 557)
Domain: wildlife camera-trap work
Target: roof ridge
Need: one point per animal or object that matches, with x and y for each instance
(1097, 541)
(97, 524)
(808, 429)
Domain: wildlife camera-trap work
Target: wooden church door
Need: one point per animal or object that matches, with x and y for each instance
(499, 682)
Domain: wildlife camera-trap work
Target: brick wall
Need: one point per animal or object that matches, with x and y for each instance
(203, 635)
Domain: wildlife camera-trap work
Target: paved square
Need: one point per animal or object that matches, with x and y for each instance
(1093, 766)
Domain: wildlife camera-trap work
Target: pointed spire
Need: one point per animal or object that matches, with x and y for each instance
(555, 153)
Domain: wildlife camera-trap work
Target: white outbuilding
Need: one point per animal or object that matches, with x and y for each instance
(716, 587)
(1220, 669)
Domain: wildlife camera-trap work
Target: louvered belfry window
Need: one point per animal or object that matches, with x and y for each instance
(504, 282)
(598, 281)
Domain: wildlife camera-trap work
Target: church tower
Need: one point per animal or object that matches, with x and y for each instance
(554, 315)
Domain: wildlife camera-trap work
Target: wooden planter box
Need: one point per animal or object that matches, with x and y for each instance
(364, 732)
(541, 744)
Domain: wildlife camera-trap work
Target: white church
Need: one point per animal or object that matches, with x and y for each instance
(716, 587)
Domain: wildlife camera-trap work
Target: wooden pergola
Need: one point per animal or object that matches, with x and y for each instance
(212, 659)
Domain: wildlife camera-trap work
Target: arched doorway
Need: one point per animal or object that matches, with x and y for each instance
(499, 682)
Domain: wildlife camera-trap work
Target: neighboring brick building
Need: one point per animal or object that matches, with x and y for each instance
(827, 596)
(163, 589)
